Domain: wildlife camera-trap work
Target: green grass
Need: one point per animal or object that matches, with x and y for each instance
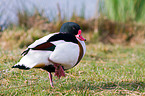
(105, 70)
(123, 10)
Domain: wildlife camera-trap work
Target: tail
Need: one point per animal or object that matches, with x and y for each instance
(21, 66)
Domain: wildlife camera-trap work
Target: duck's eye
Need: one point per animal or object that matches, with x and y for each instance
(73, 28)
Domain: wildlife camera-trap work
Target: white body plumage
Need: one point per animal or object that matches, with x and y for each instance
(65, 53)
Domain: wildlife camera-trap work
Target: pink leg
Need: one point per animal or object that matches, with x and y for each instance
(51, 82)
(59, 70)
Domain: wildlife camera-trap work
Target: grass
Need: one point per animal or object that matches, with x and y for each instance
(105, 70)
(123, 11)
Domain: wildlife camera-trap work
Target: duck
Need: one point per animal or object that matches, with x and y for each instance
(55, 52)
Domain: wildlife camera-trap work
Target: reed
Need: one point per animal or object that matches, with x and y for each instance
(124, 10)
(122, 21)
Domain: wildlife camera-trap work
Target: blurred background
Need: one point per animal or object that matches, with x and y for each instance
(113, 21)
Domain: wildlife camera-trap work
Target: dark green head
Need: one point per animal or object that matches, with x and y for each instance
(70, 27)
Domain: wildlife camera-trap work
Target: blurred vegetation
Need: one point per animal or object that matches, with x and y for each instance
(124, 10)
(18, 37)
(39, 21)
(36, 20)
(34, 25)
(119, 22)
(122, 21)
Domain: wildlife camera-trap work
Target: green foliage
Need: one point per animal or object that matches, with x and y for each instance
(105, 70)
(124, 10)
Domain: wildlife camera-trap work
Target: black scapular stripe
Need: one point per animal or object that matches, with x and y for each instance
(43, 47)
(63, 36)
(51, 47)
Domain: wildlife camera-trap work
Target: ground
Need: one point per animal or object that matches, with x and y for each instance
(105, 70)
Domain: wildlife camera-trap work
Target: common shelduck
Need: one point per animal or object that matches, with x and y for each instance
(55, 52)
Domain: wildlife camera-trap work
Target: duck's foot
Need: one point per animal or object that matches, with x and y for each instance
(51, 82)
(59, 70)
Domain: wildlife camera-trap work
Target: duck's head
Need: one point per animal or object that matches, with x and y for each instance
(72, 28)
